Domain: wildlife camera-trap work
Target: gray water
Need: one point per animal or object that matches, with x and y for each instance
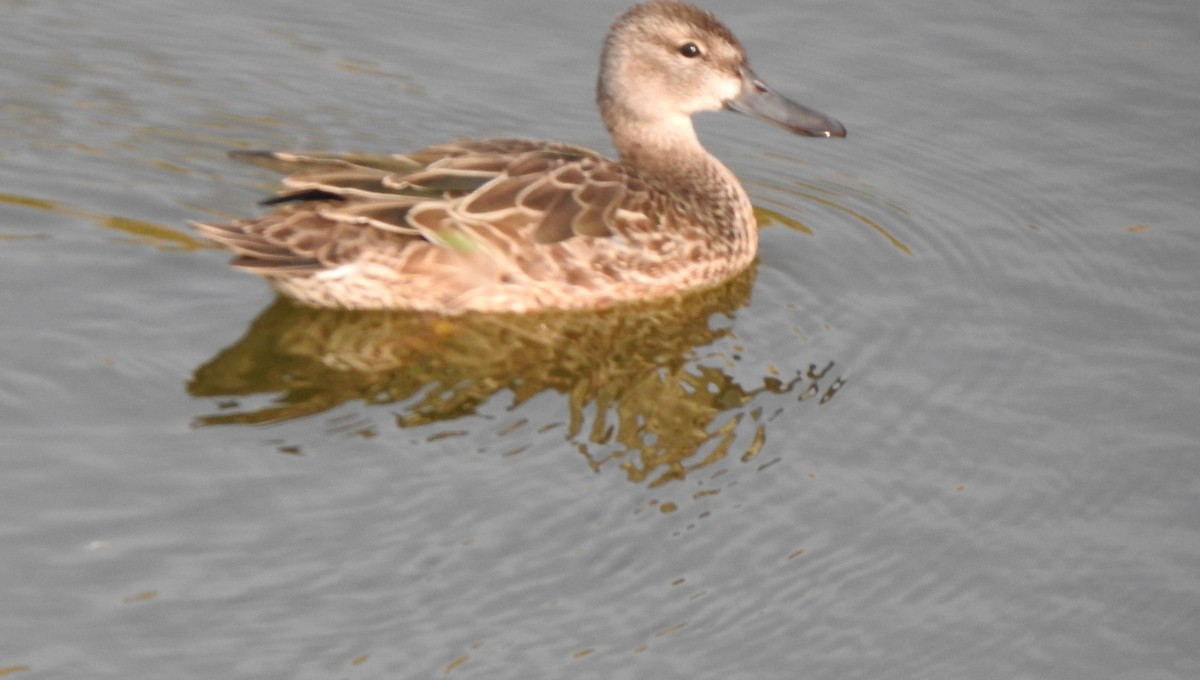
(947, 429)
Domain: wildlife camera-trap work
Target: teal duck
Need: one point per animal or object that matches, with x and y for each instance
(506, 225)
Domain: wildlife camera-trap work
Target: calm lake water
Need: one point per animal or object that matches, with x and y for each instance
(947, 429)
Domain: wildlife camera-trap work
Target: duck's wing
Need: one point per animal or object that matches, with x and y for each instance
(539, 199)
(464, 195)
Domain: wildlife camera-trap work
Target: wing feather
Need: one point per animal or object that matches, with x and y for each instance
(502, 196)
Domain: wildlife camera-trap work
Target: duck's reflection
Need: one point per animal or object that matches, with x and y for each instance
(646, 384)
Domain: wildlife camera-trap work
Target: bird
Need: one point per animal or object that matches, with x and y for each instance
(521, 225)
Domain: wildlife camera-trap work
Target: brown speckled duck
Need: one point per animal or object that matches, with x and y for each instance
(504, 225)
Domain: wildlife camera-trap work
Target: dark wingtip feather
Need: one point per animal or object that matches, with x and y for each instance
(302, 195)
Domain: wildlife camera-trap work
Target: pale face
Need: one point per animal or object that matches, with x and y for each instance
(666, 68)
(664, 61)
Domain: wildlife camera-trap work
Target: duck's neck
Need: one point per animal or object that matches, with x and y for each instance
(669, 150)
(656, 143)
(669, 153)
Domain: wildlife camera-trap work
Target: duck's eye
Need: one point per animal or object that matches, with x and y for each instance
(689, 50)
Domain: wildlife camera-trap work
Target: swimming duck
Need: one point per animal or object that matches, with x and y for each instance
(504, 225)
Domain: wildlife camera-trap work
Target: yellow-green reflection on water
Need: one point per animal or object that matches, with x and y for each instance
(634, 387)
(151, 234)
(837, 196)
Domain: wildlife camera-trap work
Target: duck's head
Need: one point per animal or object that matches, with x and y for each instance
(665, 60)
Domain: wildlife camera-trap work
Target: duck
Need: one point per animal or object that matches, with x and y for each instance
(522, 225)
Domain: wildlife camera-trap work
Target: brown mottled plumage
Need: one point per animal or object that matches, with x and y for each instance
(517, 225)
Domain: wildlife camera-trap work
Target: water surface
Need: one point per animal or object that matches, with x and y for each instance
(944, 429)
